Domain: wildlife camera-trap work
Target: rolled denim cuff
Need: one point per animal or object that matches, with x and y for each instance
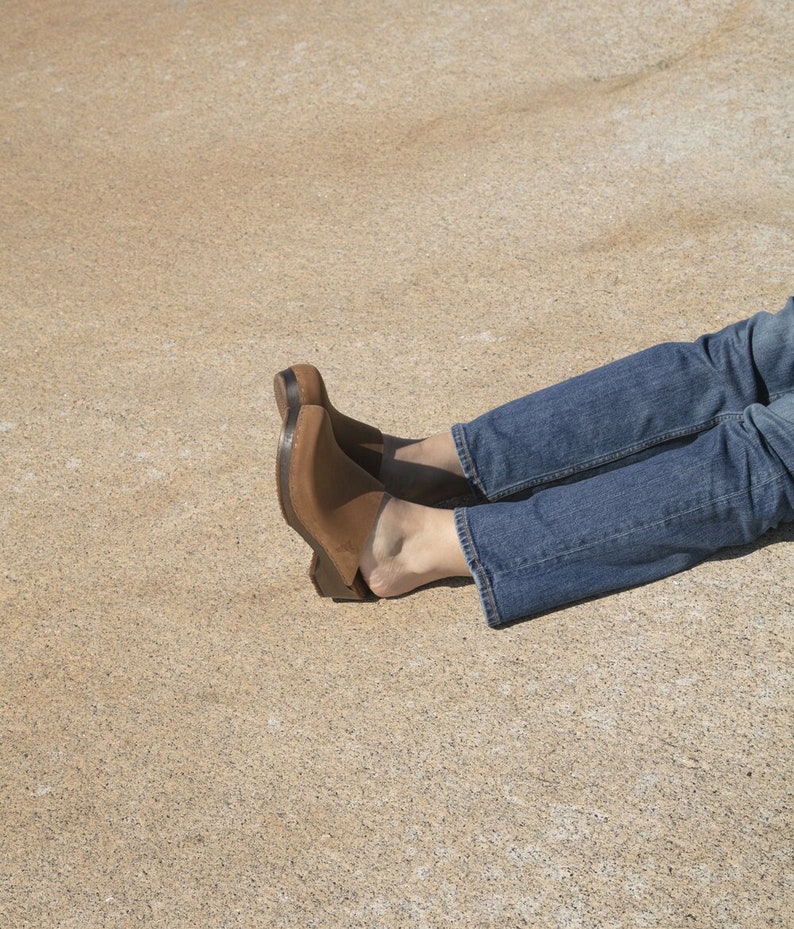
(467, 463)
(478, 572)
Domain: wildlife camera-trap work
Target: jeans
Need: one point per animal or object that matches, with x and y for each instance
(631, 472)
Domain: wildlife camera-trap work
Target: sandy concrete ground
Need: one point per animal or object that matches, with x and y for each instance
(443, 205)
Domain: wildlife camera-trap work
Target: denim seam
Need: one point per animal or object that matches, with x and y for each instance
(484, 586)
(668, 519)
(615, 456)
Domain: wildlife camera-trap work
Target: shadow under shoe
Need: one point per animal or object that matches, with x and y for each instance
(328, 499)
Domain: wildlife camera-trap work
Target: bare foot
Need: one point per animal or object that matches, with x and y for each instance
(411, 545)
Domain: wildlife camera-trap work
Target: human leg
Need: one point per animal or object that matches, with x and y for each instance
(628, 409)
(600, 420)
(615, 530)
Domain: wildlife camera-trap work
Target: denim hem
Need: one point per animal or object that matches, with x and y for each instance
(467, 463)
(481, 580)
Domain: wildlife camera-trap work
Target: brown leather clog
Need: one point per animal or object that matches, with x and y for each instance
(329, 500)
(303, 385)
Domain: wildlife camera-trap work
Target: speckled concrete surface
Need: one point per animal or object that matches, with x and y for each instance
(443, 205)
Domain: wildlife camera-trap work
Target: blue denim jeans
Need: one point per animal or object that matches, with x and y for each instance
(631, 472)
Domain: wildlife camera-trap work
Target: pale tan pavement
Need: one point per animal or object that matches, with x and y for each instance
(443, 205)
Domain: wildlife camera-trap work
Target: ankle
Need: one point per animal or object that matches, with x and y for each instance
(410, 546)
(424, 471)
